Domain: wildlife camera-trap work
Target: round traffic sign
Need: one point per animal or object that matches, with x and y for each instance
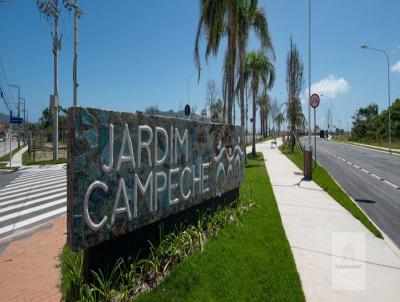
(314, 100)
(187, 110)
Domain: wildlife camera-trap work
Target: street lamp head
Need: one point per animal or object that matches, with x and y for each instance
(364, 46)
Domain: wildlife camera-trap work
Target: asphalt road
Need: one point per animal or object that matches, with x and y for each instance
(370, 177)
(5, 146)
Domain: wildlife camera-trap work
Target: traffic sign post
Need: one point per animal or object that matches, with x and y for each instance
(314, 102)
(10, 138)
(15, 120)
(187, 110)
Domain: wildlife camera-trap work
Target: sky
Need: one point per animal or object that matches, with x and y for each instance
(133, 54)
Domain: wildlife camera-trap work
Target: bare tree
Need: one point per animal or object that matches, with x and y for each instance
(152, 110)
(295, 83)
(212, 95)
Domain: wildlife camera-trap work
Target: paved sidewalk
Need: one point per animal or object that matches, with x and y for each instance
(337, 258)
(29, 265)
(16, 160)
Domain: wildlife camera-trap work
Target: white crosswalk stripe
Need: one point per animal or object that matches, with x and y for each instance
(32, 198)
(25, 192)
(21, 184)
(29, 188)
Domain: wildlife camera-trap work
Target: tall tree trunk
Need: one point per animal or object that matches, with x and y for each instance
(246, 123)
(242, 55)
(261, 121)
(234, 111)
(231, 63)
(224, 111)
(253, 149)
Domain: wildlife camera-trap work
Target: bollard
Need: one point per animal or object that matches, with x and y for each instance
(307, 162)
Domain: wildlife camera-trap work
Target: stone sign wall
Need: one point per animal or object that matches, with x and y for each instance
(127, 170)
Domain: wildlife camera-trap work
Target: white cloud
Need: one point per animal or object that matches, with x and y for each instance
(396, 67)
(331, 86)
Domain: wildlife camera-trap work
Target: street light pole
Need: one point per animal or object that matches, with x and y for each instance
(331, 115)
(24, 137)
(188, 85)
(309, 73)
(308, 147)
(364, 46)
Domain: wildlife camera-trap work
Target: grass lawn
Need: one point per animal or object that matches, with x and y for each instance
(326, 182)
(373, 144)
(6, 157)
(249, 261)
(27, 161)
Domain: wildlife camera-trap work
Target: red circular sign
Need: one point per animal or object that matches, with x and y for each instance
(314, 100)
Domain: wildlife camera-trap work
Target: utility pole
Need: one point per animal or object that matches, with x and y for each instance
(49, 9)
(56, 47)
(75, 72)
(18, 108)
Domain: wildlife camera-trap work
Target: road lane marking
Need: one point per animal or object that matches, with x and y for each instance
(40, 174)
(31, 210)
(31, 202)
(34, 179)
(363, 170)
(22, 185)
(5, 193)
(24, 223)
(34, 190)
(16, 200)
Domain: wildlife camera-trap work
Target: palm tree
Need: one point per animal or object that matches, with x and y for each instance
(218, 18)
(250, 16)
(279, 120)
(258, 69)
(264, 103)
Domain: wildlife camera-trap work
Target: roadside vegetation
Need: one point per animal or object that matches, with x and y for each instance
(238, 253)
(27, 160)
(326, 182)
(6, 157)
(370, 127)
(373, 144)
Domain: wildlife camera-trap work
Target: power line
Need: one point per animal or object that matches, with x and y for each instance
(7, 84)
(5, 87)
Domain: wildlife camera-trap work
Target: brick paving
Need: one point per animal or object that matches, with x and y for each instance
(29, 265)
